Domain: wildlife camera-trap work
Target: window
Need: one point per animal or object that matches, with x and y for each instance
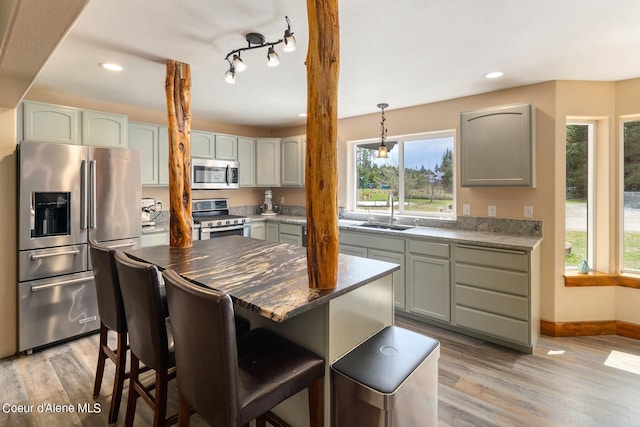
(580, 195)
(631, 197)
(419, 173)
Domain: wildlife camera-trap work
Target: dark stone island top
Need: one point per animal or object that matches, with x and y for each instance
(267, 278)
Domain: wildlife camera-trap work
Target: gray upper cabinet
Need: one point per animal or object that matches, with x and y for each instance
(203, 144)
(66, 125)
(50, 123)
(104, 129)
(268, 162)
(144, 137)
(226, 147)
(247, 161)
(293, 158)
(497, 146)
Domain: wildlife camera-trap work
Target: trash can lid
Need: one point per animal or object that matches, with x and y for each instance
(386, 359)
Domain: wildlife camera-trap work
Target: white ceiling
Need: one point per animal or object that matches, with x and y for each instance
(397, 51)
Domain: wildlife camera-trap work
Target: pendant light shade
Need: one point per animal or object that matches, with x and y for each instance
(273, 60)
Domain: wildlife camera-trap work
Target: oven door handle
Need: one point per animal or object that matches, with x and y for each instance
(228, 175)
(216, 229)
(40, 256)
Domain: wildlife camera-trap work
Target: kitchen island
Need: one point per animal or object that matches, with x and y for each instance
(269, 286)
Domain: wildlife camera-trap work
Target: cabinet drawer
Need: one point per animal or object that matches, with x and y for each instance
(493, 324)
(511, 282)
(493, 257)
(371, 241)
(292, 229)
(493, 302)
(429, 248)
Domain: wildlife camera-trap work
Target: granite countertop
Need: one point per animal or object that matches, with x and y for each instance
(267, 278)
(448, 235)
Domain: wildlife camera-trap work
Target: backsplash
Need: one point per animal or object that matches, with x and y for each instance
(521, 227)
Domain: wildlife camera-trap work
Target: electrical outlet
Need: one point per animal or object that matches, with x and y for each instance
(466, 209)
(492, 210)
(528, 211)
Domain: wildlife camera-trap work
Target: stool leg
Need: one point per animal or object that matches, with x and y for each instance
(184, 411)
(101, 359)
(160, 410)
(120, 375)
(316, 404)
(133, 391)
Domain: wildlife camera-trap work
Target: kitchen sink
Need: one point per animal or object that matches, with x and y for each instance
(380, 226)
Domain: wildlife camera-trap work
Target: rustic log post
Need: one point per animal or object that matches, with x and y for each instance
(178, 93)
(321, 177)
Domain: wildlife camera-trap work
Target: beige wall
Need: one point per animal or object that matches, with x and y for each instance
(8, 234)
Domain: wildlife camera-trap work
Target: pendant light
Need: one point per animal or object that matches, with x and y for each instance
(382, 150)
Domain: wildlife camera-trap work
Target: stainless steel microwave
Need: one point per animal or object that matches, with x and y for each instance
(210, 174)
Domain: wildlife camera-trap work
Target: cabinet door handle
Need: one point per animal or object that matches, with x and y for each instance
(482, 248)
(62, 283)
(40, 256)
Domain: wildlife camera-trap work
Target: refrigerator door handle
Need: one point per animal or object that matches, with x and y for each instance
(84, 190)
(92, 206)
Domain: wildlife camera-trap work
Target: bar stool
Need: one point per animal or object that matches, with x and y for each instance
(150, 336)
(112, 318)
(231, 381)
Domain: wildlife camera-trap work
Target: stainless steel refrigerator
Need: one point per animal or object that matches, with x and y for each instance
(69, 194)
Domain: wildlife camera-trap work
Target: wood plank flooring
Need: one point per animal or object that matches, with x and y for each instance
(480, 384)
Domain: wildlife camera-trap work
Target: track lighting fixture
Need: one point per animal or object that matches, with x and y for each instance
(382, 150)
(255, 41)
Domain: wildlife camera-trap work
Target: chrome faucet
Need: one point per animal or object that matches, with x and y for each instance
(390, 200)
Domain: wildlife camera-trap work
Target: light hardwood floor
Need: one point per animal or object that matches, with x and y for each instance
(480, 384)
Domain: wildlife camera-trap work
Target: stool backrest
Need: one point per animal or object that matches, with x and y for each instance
(204, 333)
(140, 286)
(110, 306)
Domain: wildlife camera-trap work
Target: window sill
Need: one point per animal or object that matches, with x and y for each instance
(597, 278)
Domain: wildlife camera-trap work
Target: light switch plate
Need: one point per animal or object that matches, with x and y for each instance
(466, 209)
(492, 210)
(528, 211)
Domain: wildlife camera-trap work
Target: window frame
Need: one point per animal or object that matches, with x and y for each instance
(352, 178)
(591, 191)
(621, 221)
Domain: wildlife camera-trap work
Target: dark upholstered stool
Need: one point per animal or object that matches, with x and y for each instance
(227, 381)
(150, 336)
(112, 318)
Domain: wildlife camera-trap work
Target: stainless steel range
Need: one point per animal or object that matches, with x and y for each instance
(213, 219)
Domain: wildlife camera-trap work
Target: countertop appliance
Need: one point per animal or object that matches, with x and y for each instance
(210, 174)
(212, 217)
(67, 195)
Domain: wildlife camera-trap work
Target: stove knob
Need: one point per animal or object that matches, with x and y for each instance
(219, 223)
(228, 222)
(235, 221)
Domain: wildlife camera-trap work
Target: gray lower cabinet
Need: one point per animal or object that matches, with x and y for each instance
(154, 239)
(290, 233)
(494, 294)
(258, 230)
(429, 282)
(381, 248)
(272, 232)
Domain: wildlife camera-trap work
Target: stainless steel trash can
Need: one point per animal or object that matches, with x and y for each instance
(391, 379)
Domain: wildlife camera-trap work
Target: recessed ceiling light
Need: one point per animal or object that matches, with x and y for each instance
(111, 66)
(494, 75)
(302, 114)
